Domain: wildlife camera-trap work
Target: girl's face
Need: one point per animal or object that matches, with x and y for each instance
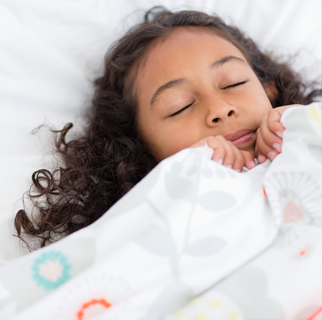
(193, 84)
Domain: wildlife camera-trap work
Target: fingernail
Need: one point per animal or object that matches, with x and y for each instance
(238, 170)
(271, 155)
(277, 147)
(261, 158)
(220, 161)
(252, 164)
(229, 166)
(279, 134)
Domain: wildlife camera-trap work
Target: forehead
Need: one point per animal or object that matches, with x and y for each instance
(181, 38)
(171, 55)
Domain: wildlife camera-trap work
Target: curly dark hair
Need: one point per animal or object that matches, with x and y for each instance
(109, 157)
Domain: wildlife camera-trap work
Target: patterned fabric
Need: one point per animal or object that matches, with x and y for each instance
(193, 240)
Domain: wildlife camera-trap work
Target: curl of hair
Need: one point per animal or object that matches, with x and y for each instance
(109, 158)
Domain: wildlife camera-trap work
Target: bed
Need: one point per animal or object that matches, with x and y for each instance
(256, 254)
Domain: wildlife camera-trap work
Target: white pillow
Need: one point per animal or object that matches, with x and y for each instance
(52, 49)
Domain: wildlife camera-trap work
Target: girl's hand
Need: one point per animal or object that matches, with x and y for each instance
(269, 135)
(226, 153)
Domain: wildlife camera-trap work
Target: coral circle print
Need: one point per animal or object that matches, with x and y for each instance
(93, 304)
(99, 296)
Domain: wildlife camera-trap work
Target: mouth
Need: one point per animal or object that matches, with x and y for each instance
(241, 137)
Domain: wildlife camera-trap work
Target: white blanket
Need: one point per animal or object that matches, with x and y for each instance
(193, 240)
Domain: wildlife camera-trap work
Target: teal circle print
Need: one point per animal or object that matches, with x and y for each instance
(51, 269)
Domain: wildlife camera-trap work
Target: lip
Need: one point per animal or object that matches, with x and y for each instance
(241, 137)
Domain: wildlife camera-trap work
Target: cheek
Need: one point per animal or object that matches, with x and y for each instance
(264, 105)
(155, 137)
(262, 111)
(265, 111)
(166, 142)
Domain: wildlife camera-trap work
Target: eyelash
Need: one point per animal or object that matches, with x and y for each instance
(189, 105)
(181, 110)
(235, 84)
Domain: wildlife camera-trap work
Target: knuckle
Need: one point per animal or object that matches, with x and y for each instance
(211, 139)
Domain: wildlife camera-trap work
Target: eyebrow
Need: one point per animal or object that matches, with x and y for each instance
(224, 60)
(180, 81)
(168, 85)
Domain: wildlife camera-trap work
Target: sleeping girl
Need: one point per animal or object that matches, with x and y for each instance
(177, 80)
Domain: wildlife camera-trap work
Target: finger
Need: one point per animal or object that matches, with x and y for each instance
(269, 138)
(249, 162)
(230, 155)
(239, 158)
(260, 157)
(219, 150)
(274, 122)
(223, 151)
(264, 148)
(274, 119)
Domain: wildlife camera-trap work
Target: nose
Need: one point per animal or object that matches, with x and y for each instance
(221, 113)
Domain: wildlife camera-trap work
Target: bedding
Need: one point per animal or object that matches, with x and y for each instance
(51, 50)
(192, 240)
(200, 241)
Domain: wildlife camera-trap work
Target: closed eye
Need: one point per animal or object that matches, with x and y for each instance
(181, 110)
(235, 84)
